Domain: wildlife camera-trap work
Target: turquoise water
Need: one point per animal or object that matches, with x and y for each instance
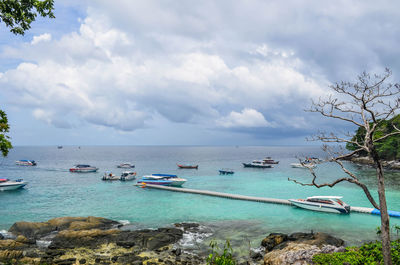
(54, 192)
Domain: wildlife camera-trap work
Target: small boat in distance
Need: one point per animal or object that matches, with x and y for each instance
(59, 147)
(257, 164)
(329, 204)
(226, 171)
(26, 162)
(303, 165)
(126, 165)
(6, 184)
(269, 160)
(162, 179)
(110, 176)
(188, 166)
(83, 169)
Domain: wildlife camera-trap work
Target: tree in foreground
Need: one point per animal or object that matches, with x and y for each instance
(5, 144)
(19, 14)
(367, 103)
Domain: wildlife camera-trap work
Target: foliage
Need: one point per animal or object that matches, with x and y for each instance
(19, 14)
(388, 148)
(5, 144)
(370, 253)
(217, 258)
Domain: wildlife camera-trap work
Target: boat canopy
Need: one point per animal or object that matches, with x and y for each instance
(325, 197)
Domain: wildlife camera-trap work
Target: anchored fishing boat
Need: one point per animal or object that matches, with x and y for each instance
(6, 184)
(330, 204)
(128, 175)
(162, 179)
(303, 165)
(188, 166)
(226, 171)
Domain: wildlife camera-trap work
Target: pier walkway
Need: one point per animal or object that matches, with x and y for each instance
(255, 199)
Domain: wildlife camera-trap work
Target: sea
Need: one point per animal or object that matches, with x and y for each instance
(54, 192)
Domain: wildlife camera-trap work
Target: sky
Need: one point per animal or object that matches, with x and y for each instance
(189, 72)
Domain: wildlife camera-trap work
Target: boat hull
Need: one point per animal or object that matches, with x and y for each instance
(319, 207)
(173, 183)
(188, 167)
(83, 170)
(12, 186)
(256, 166)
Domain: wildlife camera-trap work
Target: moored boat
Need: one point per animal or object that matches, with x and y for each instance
(188, 166)
(6, 184)
(126, 165)
(303, 165)
(25, 162)
(83, 169)
(128, 175)
(162, 179)
(257, 164)
(226, 171)
(110, 176)
(330, 204)
(269, 160)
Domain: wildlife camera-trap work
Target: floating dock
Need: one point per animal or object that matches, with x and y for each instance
(256, 199)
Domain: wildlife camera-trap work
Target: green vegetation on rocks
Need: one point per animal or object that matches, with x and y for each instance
(388, 148)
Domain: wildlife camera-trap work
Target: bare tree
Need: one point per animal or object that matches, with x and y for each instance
(366, 103)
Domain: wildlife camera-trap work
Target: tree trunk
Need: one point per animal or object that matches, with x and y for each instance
(385, 226)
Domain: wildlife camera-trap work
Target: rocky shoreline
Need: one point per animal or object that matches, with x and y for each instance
(96, 240)
(365, 160)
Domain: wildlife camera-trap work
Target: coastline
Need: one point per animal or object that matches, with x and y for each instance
(365, 160)
(96, 240)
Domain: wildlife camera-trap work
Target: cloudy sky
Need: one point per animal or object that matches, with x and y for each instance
(188, 72)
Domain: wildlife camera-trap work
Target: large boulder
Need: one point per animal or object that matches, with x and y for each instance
(298, 248)
(37, 230)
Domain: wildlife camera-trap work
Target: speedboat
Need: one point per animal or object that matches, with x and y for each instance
(83, 169)
(128, 175)
(6, 184)
(269, 160)
(226, 171)
(330, 204)
(257, 163)
(162, 179)
(25, 162)
(126, 165)
(303, 165)
(188, 166)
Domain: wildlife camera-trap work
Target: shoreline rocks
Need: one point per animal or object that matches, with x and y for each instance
(365, 160)
(95, 240)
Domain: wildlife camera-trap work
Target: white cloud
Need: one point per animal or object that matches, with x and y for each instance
(248, 118)
(41, 38)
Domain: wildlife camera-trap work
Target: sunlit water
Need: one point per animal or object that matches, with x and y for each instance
(53, 191)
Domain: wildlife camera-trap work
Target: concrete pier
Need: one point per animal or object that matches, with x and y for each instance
(256, 199)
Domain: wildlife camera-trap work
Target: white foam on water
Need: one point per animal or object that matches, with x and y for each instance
(191, 239)
(6, 234)
(124, 222)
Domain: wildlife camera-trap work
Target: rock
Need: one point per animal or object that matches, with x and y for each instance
(1, 236)
(298, 248)
(37, 230)
(69, 261)
(82, 261)
(272, 240)
(10, 254)
(24, 240)
(85, 238)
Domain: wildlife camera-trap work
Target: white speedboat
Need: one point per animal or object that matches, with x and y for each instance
(128, 175)
(83, 169)
(162, 179)
(126, 165)
(303, 165)
(6, 184)
(25, 162)
(329, 204)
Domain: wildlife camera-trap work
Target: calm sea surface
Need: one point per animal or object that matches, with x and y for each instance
(53, 191)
